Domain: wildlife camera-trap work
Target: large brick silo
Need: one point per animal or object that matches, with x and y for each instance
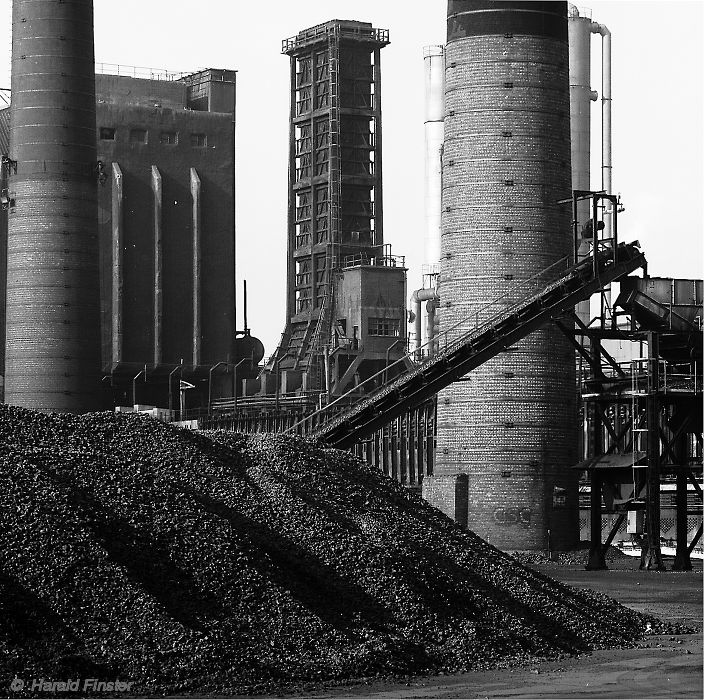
(52, 331)
(510, 424)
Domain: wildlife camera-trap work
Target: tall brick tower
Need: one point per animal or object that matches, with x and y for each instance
(52, 313)
(509, 425)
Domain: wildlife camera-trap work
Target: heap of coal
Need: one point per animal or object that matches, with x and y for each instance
(131, 549)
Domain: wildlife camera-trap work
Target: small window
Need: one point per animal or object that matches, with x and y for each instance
(168, 137)
(384, 326)
(138, 135)
(508, 84)
(199, 140)
(107, 133)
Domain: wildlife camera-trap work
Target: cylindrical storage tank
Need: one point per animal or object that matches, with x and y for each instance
(52, 328)
(581, 98)
(434, 61)
(510, 425)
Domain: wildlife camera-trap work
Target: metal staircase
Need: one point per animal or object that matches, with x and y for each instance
(340, 425)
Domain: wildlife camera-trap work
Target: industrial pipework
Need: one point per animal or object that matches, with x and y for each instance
(53, 324)
(434, 66)
(606, 169)
(434, 62)
(581, 27)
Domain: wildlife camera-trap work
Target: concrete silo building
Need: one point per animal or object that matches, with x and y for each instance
(507, 428)
(163, 236)
(166, 224)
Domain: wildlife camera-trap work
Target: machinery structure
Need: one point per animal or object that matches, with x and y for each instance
(49, 191)
(345, 303)
(643, 421)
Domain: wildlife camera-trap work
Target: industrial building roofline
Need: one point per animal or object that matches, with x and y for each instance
(146, 73)
(342, 28)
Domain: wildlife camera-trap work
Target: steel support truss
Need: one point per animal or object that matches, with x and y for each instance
(640, 412)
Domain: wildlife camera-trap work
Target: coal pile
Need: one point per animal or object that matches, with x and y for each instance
(225, 563)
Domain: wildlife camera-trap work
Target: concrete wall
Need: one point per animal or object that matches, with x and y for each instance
(213, 164)
(372, 292)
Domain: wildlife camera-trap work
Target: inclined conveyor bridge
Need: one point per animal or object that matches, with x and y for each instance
(341, 423)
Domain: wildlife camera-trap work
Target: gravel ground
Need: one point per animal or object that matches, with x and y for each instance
(226, 564)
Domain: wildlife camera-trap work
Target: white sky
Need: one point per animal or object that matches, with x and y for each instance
(658, 150)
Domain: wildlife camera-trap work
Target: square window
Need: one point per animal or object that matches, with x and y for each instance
(107, 133)
(168, 137)
(199, 140)
(384, 326)
(138, 135)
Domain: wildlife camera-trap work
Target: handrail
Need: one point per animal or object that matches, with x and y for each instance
(448, 347)
(582, 278)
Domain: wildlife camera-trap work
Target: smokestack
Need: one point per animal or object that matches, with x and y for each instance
(53, 332)
(511, 426)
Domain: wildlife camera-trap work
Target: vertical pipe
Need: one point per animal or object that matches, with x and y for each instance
(196, 214)
(378, 188)
(581, 97)
(234, 212)
(606, 167)
(117, 261)
(434, 61)
(53, 291)
(158, 265)
(244, 300)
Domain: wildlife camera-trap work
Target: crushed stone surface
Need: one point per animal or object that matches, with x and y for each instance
(226, 563)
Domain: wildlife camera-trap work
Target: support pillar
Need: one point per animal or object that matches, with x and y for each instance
(597, 560)
(117, 264)
(158, 264)
(653, 556)
(682, 561)
(595, 441)
(196, 199)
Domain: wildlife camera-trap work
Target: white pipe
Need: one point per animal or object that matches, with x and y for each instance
(606, 166)
(581, 97)
(434, 62)
(418, 296)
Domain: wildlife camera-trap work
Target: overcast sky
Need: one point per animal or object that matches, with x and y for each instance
(657, 116)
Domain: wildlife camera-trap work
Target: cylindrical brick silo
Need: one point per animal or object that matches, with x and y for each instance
(53, 334)
(510, 425)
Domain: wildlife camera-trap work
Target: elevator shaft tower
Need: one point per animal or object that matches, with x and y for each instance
(334, 195)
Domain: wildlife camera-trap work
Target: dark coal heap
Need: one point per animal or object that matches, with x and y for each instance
(226, 563)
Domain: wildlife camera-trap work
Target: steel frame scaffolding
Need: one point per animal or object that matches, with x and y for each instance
(653, 413)
(335, 206)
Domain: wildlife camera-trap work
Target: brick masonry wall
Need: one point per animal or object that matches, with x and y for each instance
(510, 425)
(448, 494)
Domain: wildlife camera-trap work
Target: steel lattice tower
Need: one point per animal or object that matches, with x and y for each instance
(334, 200)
